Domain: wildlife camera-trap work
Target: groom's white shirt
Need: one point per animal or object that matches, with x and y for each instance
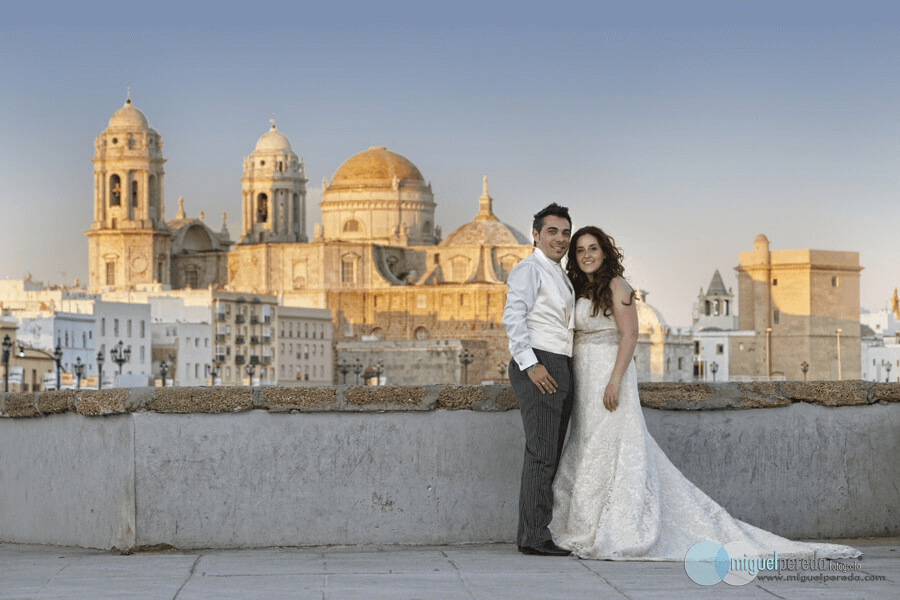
(540, 309)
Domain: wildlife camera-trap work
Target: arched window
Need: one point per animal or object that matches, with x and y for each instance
(134, 194)
(115, 191)
(262, 208)
(352, 225)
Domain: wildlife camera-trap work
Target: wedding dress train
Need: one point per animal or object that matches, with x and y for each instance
(616, 495)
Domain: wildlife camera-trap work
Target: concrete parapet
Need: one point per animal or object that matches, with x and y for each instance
(251, 467)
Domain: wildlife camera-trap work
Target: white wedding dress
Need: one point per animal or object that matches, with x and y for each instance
(616, 495)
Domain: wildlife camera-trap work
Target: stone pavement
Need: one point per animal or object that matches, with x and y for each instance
(481, 571)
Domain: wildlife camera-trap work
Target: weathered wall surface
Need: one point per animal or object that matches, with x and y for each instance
(240, 467)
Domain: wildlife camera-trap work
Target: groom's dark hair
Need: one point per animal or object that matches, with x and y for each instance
(551, 210)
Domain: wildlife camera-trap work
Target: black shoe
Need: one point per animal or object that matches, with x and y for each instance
(547, 548)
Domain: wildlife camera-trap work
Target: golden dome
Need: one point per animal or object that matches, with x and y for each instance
(376, 167)
(128, 117)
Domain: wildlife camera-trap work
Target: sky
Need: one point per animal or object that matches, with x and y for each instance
(683, 129)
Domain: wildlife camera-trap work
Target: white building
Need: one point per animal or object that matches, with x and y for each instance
(304, 346)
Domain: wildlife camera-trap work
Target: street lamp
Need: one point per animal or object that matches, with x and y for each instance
(163, 369)
(120, 355)
(214, 371)
(99, 369)
(78, 370)
(466, 358)
(56, 356)
(344, 368)
(378, 369)
(7, 346)
(501, 368)
(887, 365)
(251, 369)
(713, 368)
(838, 332)
(804, 366)
(357, 368)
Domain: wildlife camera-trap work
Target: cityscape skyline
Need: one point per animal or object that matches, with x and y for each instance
(683, 137)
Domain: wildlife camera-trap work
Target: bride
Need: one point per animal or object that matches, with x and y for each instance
(616, 495)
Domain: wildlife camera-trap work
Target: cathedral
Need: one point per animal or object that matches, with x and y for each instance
(377, 260)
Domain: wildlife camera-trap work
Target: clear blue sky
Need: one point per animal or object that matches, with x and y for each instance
(684, 129)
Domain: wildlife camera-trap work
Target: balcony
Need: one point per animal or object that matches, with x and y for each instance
(254, 360)
(266, 360)
(220, 358)
(254, 320)
(221, 337)
(239, 339)
(240, 319)
(254, 340)
(239, 359)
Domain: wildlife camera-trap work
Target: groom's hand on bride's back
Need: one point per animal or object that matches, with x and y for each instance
(540, 377)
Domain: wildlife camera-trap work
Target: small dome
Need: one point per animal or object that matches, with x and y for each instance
(376, 167)
(273, 141)
(128, 117)
(485, 233)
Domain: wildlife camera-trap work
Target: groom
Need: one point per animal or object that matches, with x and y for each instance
(539, 318)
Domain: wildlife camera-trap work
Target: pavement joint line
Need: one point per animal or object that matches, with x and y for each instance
(768, 591)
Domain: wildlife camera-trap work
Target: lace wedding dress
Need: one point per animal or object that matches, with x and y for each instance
(616, 495)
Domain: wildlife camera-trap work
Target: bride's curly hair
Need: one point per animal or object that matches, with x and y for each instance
(596, 290)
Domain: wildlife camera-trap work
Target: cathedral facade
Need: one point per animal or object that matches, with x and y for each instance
(377, 261)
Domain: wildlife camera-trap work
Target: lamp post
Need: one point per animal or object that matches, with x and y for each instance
(379, 369)
(56, 356)
(163, 369)
(344, 368)
(99, 369)
(120, 355)
(466, 358)
(804, 366)
(501, 368)
(357, 368)
(78, 370)
(887, 365)
(214, 371)
(713, 368)
(7, 346)
(838, 332)
(251, 369)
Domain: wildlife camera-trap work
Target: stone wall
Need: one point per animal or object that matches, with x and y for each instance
(255, 467)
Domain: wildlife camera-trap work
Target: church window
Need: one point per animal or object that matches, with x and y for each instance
(348, 270)
(115, 327)
(352, 225)
(776, 316)
(708, 308)
(727, 307)
(716, 308)
(134, 194)
(834, 281)
(262, 208)
(720, 348)
(280, 165)
(115, 141)
(421, 333)
(103, 326)
(191, 278)
(128, 328)
(111, 273)
(680, 363)
(143, 330)
(775, 282)
(115, 191)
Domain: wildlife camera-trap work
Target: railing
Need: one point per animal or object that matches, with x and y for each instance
(240, 318)
(266, 360)
(239, 359)
(254, 319)
(221, 337)
(239, 339)
(254, 360)
(254, 339)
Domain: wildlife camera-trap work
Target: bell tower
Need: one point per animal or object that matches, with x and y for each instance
(273, 192)
(129, 242)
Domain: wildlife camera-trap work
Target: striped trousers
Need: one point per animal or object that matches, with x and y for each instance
(546, 419)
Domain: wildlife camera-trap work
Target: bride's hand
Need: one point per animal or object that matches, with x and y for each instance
(611, 397)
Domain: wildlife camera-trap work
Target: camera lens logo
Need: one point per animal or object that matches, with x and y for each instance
(708, 563)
